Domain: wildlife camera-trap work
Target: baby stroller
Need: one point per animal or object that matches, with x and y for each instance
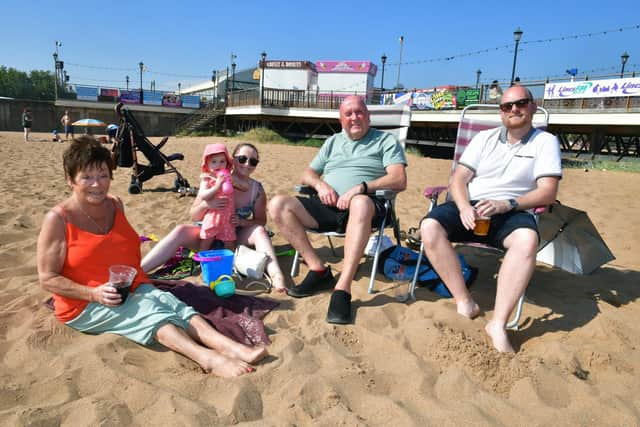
(129, 139)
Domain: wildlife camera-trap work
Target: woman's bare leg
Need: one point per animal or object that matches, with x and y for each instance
(182, 235)
(210, 360)
(257, 237)
(202, 331)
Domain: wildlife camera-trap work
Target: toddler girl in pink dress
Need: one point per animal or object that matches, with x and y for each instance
(216, 183)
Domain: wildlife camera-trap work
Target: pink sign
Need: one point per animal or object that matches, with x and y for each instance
(346, 67)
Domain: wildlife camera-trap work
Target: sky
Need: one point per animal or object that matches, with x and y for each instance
(445, 42)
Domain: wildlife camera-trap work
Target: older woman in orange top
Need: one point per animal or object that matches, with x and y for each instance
(87, 233)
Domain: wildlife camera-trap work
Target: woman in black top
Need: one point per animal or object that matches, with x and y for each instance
(26, 123)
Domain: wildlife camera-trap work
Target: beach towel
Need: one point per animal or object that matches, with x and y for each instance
(399, 263)
(238, 317)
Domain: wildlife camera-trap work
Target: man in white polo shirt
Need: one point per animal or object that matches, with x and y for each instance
(503, 174)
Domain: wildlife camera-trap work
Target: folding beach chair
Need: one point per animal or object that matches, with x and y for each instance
(130, 138)
(484, 116)
(394, 119)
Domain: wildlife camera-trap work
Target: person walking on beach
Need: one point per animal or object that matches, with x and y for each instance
(503, 174)
(66, 125)
(349, 167)
(27, 120)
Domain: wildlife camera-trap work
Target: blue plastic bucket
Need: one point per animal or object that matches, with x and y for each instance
(214, 264)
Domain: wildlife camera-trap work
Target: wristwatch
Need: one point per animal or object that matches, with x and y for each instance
(514, 205)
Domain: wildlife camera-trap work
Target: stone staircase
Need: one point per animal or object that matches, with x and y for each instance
(202, 119)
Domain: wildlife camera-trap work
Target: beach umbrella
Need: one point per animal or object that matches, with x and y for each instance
(570, 241)
(89, 123)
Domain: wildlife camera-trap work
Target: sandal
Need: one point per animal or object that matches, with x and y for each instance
(414, 240)
(263, 287)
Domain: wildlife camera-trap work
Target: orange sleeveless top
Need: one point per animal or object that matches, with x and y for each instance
(89, 257)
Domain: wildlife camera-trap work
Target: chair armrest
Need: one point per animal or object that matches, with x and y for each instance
(431, 192)
(310, 191)
(385, 194)
(307, 190)
(539, 210)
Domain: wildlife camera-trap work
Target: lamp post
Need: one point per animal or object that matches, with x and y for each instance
(141, 65)
(127, 80)
(517, 35)
(383, 58)
(179, 84)
(478, 73)
(624, 57)
(214, 88)
(263, 55)
(55, 64)
(233, 76)
(400, 61)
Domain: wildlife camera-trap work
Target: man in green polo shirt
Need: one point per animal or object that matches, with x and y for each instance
(349, 167)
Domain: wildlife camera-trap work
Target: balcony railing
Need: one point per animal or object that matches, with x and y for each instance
(290, 98)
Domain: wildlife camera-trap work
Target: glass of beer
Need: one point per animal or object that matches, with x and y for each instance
(482, 225)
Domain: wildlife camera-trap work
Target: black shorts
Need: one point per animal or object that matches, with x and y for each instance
(501, 225)
(330, 218)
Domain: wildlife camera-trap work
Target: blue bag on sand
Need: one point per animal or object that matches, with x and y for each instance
(399, 263)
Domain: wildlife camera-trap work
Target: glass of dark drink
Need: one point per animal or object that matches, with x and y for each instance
(121, 277)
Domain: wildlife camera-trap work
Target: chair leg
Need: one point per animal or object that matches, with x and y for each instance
(333, 250)
(295, 266)
(414, 281)
(513, 325)
(376, 256)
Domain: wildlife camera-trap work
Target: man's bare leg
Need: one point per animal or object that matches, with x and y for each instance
(292, 220)
(513, 278)
(444, 260)
(361, 211)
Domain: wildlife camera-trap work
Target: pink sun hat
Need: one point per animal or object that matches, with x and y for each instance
(215, 149)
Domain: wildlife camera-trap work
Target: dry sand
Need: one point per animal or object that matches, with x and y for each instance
(578, 360)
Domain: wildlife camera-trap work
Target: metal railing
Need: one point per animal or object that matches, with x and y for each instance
(290, 98)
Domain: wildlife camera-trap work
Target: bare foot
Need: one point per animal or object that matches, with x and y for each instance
(223, 366)
(246, 353)
(279, 283)
(499, 338)
(468, 308)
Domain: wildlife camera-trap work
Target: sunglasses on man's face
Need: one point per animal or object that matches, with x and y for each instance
(252, 160)
(520, 103)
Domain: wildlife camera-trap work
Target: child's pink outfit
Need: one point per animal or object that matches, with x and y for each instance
(217, 222)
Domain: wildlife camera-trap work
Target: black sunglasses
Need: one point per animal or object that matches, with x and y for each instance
(520, 103)
(252, 160)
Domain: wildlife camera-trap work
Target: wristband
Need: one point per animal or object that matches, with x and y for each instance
(365, 187)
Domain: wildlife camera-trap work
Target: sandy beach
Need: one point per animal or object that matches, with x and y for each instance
(398, 364)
